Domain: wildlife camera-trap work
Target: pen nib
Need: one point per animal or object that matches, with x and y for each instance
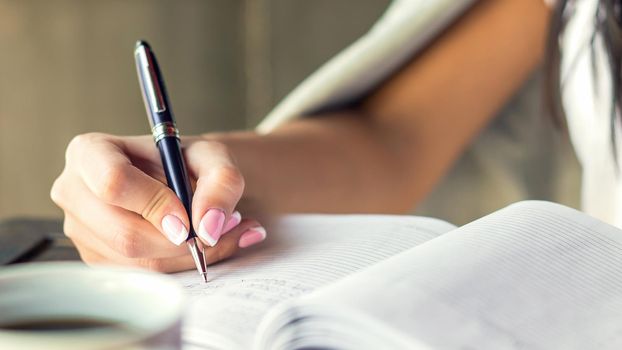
(198, 256)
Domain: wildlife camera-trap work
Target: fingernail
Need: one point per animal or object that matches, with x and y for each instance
(174, 229)
(210, 227)
(252, 236)
(234, 220)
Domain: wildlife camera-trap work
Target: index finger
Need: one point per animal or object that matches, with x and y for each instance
(108, 172)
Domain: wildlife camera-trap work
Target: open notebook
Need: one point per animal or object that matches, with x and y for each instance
(534, 275)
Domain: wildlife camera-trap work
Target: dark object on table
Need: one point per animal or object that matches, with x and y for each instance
(27, 240)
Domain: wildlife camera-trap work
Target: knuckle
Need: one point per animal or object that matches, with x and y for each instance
(210, 147)
(109, 186)
(56, 192)
(80, 142)
(230, 178)
(88, 259)
(156, 265)
(225, 251)
(156, 203)
(219, 254)
(68, 228)
(127, 243)
(77, 142)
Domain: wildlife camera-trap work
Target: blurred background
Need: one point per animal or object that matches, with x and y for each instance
(66, 67)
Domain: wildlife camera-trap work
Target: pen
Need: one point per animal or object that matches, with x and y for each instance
(166, 137)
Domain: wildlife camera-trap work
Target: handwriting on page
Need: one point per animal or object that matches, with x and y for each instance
(238, 305)
(269, 290)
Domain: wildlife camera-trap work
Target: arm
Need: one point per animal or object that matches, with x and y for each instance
(386, 155)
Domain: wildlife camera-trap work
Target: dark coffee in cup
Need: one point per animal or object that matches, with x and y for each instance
(71, 324)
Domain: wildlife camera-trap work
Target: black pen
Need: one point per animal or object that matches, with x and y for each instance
(166, 137)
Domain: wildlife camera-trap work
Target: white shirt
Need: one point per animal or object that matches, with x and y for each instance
(587, 98)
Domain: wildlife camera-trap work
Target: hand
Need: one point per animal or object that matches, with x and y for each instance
(118, 208)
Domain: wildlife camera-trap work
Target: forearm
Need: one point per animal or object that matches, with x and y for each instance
(336, 163)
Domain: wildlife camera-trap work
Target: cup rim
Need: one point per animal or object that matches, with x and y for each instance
(26, 270)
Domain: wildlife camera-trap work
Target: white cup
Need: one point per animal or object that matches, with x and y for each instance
(146, 308)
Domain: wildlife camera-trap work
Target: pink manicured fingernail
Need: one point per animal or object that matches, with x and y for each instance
(234, 220)
(174, 229)
(210, 227)
(252, 236)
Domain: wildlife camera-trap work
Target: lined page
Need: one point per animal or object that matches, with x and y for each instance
(302, 252)
(534, 275)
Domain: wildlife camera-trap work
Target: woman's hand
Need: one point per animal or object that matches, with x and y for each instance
(118, 208)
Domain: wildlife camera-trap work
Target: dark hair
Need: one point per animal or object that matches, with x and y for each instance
(608, 27)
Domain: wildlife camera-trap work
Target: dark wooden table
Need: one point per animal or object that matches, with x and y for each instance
(29, 240)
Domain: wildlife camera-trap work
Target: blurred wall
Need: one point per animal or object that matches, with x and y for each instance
(66, 67)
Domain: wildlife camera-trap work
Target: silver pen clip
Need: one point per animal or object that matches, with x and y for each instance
(151, 85)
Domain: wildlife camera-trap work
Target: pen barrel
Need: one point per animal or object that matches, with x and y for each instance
(176, 173)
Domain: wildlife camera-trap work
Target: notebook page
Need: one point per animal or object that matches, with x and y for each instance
(302, 252)
(534, 275)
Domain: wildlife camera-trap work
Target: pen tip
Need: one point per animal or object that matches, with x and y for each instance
(196, 250)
